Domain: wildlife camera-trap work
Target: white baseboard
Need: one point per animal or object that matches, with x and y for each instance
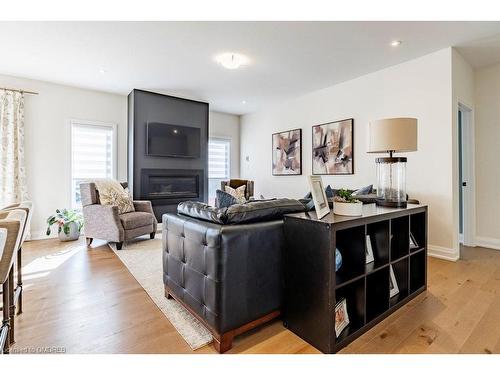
(442, 253)
(42, 235)
(488, 242)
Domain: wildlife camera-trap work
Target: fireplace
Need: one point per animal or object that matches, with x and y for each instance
(171, 186)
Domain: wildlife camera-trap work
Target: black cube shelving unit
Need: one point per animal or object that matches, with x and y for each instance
(313, 287)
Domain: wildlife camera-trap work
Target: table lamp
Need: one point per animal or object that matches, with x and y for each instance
(392, 135)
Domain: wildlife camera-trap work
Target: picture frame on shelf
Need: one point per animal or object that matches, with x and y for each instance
(369, 250)
(413, 242)
(319, 196)
(341, 317)
(393, 283)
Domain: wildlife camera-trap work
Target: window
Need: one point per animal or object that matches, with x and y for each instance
(93, 154)
(218, 165)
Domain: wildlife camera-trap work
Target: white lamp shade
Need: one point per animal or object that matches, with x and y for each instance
(393, 134)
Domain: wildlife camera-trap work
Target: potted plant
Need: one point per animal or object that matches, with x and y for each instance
(69, 222)
(345, 204)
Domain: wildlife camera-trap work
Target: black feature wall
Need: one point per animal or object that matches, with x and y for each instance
(144, 107)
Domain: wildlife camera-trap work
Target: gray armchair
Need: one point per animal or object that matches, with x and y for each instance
(104, 222)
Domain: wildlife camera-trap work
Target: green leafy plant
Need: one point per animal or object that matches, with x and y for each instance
(63, 218)
(345, 196)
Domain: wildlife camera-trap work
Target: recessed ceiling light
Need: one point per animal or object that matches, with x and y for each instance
(396, 43)
(231, 60)
(102, 70)
(243, 102)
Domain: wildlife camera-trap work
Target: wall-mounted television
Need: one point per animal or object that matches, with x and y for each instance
(172, 140)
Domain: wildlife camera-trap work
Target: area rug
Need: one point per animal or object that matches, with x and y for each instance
(143, 258)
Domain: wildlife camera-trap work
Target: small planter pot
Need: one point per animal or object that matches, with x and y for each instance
(348, 209)
(74, 233)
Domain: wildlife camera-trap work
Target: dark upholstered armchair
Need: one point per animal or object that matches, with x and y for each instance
(235, 183)
(104, 222)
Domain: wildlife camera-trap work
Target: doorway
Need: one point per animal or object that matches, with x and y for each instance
(466, 206)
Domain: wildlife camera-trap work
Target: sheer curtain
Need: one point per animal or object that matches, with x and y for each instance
(12, 169)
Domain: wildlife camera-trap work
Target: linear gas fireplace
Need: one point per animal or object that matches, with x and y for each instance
(171, 186)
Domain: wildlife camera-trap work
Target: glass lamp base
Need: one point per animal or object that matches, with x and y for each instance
(391, 182)
(388, 203)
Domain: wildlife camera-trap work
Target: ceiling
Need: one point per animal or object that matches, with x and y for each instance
(287, 59)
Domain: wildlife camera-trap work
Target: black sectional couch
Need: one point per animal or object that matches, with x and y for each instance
(225, 265)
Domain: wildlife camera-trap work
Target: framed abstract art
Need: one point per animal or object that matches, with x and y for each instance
(287, 153)
(333, 148)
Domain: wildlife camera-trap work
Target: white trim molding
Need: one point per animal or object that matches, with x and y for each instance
(42, 235)
(442, 253)
(488, 242)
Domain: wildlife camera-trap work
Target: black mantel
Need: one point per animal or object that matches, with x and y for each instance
(144, 107)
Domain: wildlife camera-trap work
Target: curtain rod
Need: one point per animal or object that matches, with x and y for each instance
(21, 91)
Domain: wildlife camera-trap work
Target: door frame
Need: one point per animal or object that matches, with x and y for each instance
(468, 175)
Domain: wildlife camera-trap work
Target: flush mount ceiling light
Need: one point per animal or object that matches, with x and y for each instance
(231, 60)
(396, 43)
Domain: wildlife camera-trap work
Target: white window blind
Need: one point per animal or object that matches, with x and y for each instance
(218, 158)
(92, 155)
(218, 164)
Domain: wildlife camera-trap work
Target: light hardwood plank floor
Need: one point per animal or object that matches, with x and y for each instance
(81, 300)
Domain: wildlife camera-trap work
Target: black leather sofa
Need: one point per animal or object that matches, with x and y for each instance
(225, 265)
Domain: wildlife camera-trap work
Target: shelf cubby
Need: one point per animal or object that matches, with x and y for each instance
(354, 294)
(351, 244)
(400, 237)
(418, 268)
(400, 269)
(417, 228)
(379, 239)
(377, 293)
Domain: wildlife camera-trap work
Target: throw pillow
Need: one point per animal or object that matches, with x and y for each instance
(224, 199)
(364, 190)
(112, 193)
(329, 191)
(238, 193)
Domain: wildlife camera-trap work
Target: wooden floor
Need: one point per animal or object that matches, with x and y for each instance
(80, 300)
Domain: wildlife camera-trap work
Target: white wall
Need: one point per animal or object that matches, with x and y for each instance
(224, 125)
(487, 126)
(47, 139)
(420, 88)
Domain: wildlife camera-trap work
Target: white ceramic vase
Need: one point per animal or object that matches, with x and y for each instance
(74, 233)
(348, 209)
